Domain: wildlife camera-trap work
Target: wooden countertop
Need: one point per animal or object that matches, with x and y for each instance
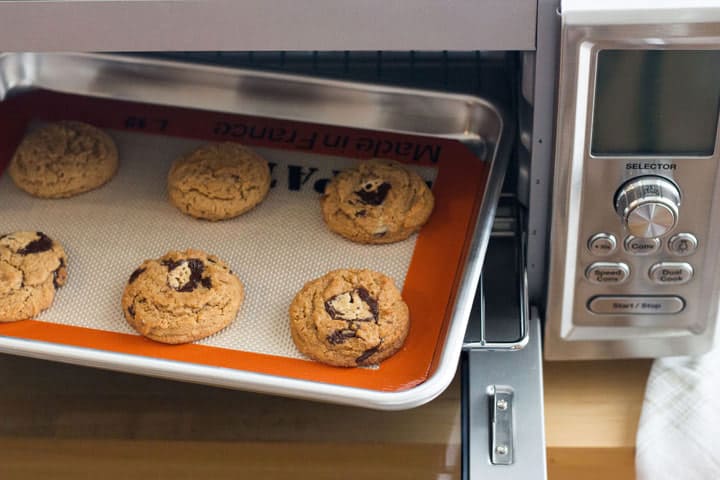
(591, 416)
(64, 422)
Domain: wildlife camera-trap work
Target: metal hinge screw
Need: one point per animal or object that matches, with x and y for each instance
(501, 449)
(502, 404)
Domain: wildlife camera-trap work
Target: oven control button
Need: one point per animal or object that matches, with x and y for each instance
(608, 272)
(602, 244)
(635, 305)
(671, 273)
(641, 246)
(682, 244)
(648, 206)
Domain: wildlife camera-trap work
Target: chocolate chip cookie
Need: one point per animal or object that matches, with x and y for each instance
(380, 201)
(182, 297)
(32, 267)
(349, 318)
(64, 159)
(218, 181)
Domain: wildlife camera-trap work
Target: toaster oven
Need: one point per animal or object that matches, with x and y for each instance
(590, 131)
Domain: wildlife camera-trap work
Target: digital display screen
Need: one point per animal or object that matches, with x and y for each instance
(656, 102)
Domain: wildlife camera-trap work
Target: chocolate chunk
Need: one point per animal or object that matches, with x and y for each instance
(369, 195)
(131, 311)
(367, 354)
(42, 244)
(349, 300)
(196, 265)
(196, 269)
(56, 272)
(172, 265)
(371, 302)
(361, 213)
(331, 310)
(339, 336)
(135, 275)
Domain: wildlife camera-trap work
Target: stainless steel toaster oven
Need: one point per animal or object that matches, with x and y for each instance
(583, 134)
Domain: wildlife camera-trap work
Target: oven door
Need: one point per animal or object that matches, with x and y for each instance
(503, 423)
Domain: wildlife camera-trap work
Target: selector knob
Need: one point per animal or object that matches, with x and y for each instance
(648, 206)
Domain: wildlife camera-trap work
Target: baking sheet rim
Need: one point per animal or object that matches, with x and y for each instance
(22, 77)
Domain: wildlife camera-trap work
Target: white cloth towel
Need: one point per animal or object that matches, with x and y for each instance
(679, 433)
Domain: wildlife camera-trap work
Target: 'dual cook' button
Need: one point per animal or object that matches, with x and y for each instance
(635, 305)
(608, 272)
(671, 273)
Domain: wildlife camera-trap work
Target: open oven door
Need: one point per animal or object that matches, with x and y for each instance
(503, 425)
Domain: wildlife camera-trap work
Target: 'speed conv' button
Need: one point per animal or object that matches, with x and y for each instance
(608, 272)
(635, 305)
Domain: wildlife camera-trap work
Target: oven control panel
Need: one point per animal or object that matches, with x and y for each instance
(648, 208)
(640, 246)
(639, 255)
(635, 235)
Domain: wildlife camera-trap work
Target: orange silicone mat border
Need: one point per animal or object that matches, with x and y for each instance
(435, 268)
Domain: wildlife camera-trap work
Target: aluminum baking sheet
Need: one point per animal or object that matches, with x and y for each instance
(276, 247)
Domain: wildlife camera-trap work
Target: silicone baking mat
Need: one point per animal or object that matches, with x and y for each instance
(274, 249)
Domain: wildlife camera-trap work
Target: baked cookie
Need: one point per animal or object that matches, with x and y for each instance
(182, 297)
(64, 159)
(218, 181)
(32, 267)
(379, 201)
(349, 318)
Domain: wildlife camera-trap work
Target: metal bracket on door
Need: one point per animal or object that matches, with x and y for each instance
(501, 418)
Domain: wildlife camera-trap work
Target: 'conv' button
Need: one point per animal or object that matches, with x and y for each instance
(635, 305)
(641, 246)
(607, 272)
